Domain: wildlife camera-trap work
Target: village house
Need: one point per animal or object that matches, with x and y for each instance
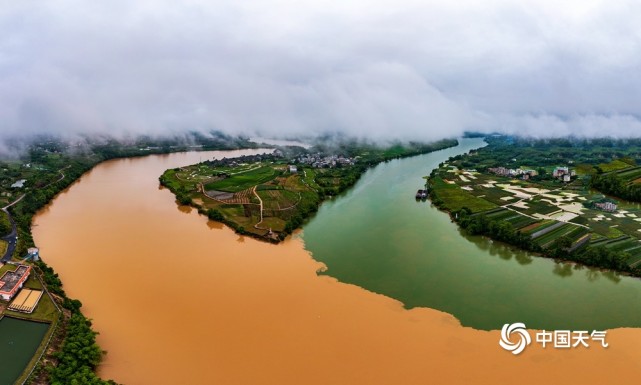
(564, 174)
(607, 206)
(502, 171)
(12, 281)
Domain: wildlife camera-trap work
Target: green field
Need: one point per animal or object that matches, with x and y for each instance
(630, 175)
(566, 230)
(614, 165)
(456, 198)
(281, 194)
(278, 199)
(310, 178)
(244, 180)
(537, 206)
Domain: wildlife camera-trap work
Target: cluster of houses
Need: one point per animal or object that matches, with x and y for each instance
(513, 173)
(243, 159)
(563, 173)
(320, 161)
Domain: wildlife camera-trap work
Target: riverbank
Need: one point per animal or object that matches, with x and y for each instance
(264, 316)
(65, 360)
(269, 196)
(543, 211)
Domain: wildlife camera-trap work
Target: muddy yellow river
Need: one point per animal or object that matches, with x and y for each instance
(180, 300)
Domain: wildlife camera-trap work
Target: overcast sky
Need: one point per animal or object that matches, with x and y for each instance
(382, 69)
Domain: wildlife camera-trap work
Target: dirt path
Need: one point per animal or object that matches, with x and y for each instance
(261, 210)
(14, 202)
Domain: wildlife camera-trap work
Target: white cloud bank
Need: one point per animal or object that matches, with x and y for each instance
(382, 69)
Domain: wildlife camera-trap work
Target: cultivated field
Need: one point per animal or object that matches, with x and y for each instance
(546, 213)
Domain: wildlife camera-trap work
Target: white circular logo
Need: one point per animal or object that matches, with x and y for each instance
(515, 328)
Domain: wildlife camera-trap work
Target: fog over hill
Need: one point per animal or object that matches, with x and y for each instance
(406, 69)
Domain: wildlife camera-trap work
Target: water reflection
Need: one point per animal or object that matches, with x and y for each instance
(612, 276)
(563, 269)
(184, 208)
(213, 225)
(495, 248)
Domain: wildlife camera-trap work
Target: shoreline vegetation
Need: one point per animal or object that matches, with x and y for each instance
(48, 168)
(540, 196)
(51, 166)
(269, 196)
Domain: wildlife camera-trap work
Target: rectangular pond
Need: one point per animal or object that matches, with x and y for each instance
(19, 340)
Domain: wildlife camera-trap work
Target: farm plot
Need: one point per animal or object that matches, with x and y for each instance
(493, 194)
(514, 218)
(630, 174)
(245, 180)
(456, 198)
(536, 206)
(572, 232)
(614, 166)
(520, 221)
(627, 244)
(278, 199)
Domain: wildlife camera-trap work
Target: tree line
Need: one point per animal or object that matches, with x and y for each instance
(599, 256)
(614, 185)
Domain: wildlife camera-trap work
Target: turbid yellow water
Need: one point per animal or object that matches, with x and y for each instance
(180, 300)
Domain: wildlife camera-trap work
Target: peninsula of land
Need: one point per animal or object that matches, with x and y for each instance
(270, 195)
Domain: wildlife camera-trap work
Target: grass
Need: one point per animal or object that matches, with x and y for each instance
(7, 267)
(3, 247)
(4, 223)
(493, 194)
(614, 165)
(309, 177)
(244, 180)
(265, 187)
(456, 198)
(278, 199)
(537, 206)
(630, 174)
(276, 224)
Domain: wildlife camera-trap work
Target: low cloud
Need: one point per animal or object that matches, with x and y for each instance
(389, 69)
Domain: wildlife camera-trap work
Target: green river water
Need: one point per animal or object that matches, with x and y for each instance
(379, 237)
